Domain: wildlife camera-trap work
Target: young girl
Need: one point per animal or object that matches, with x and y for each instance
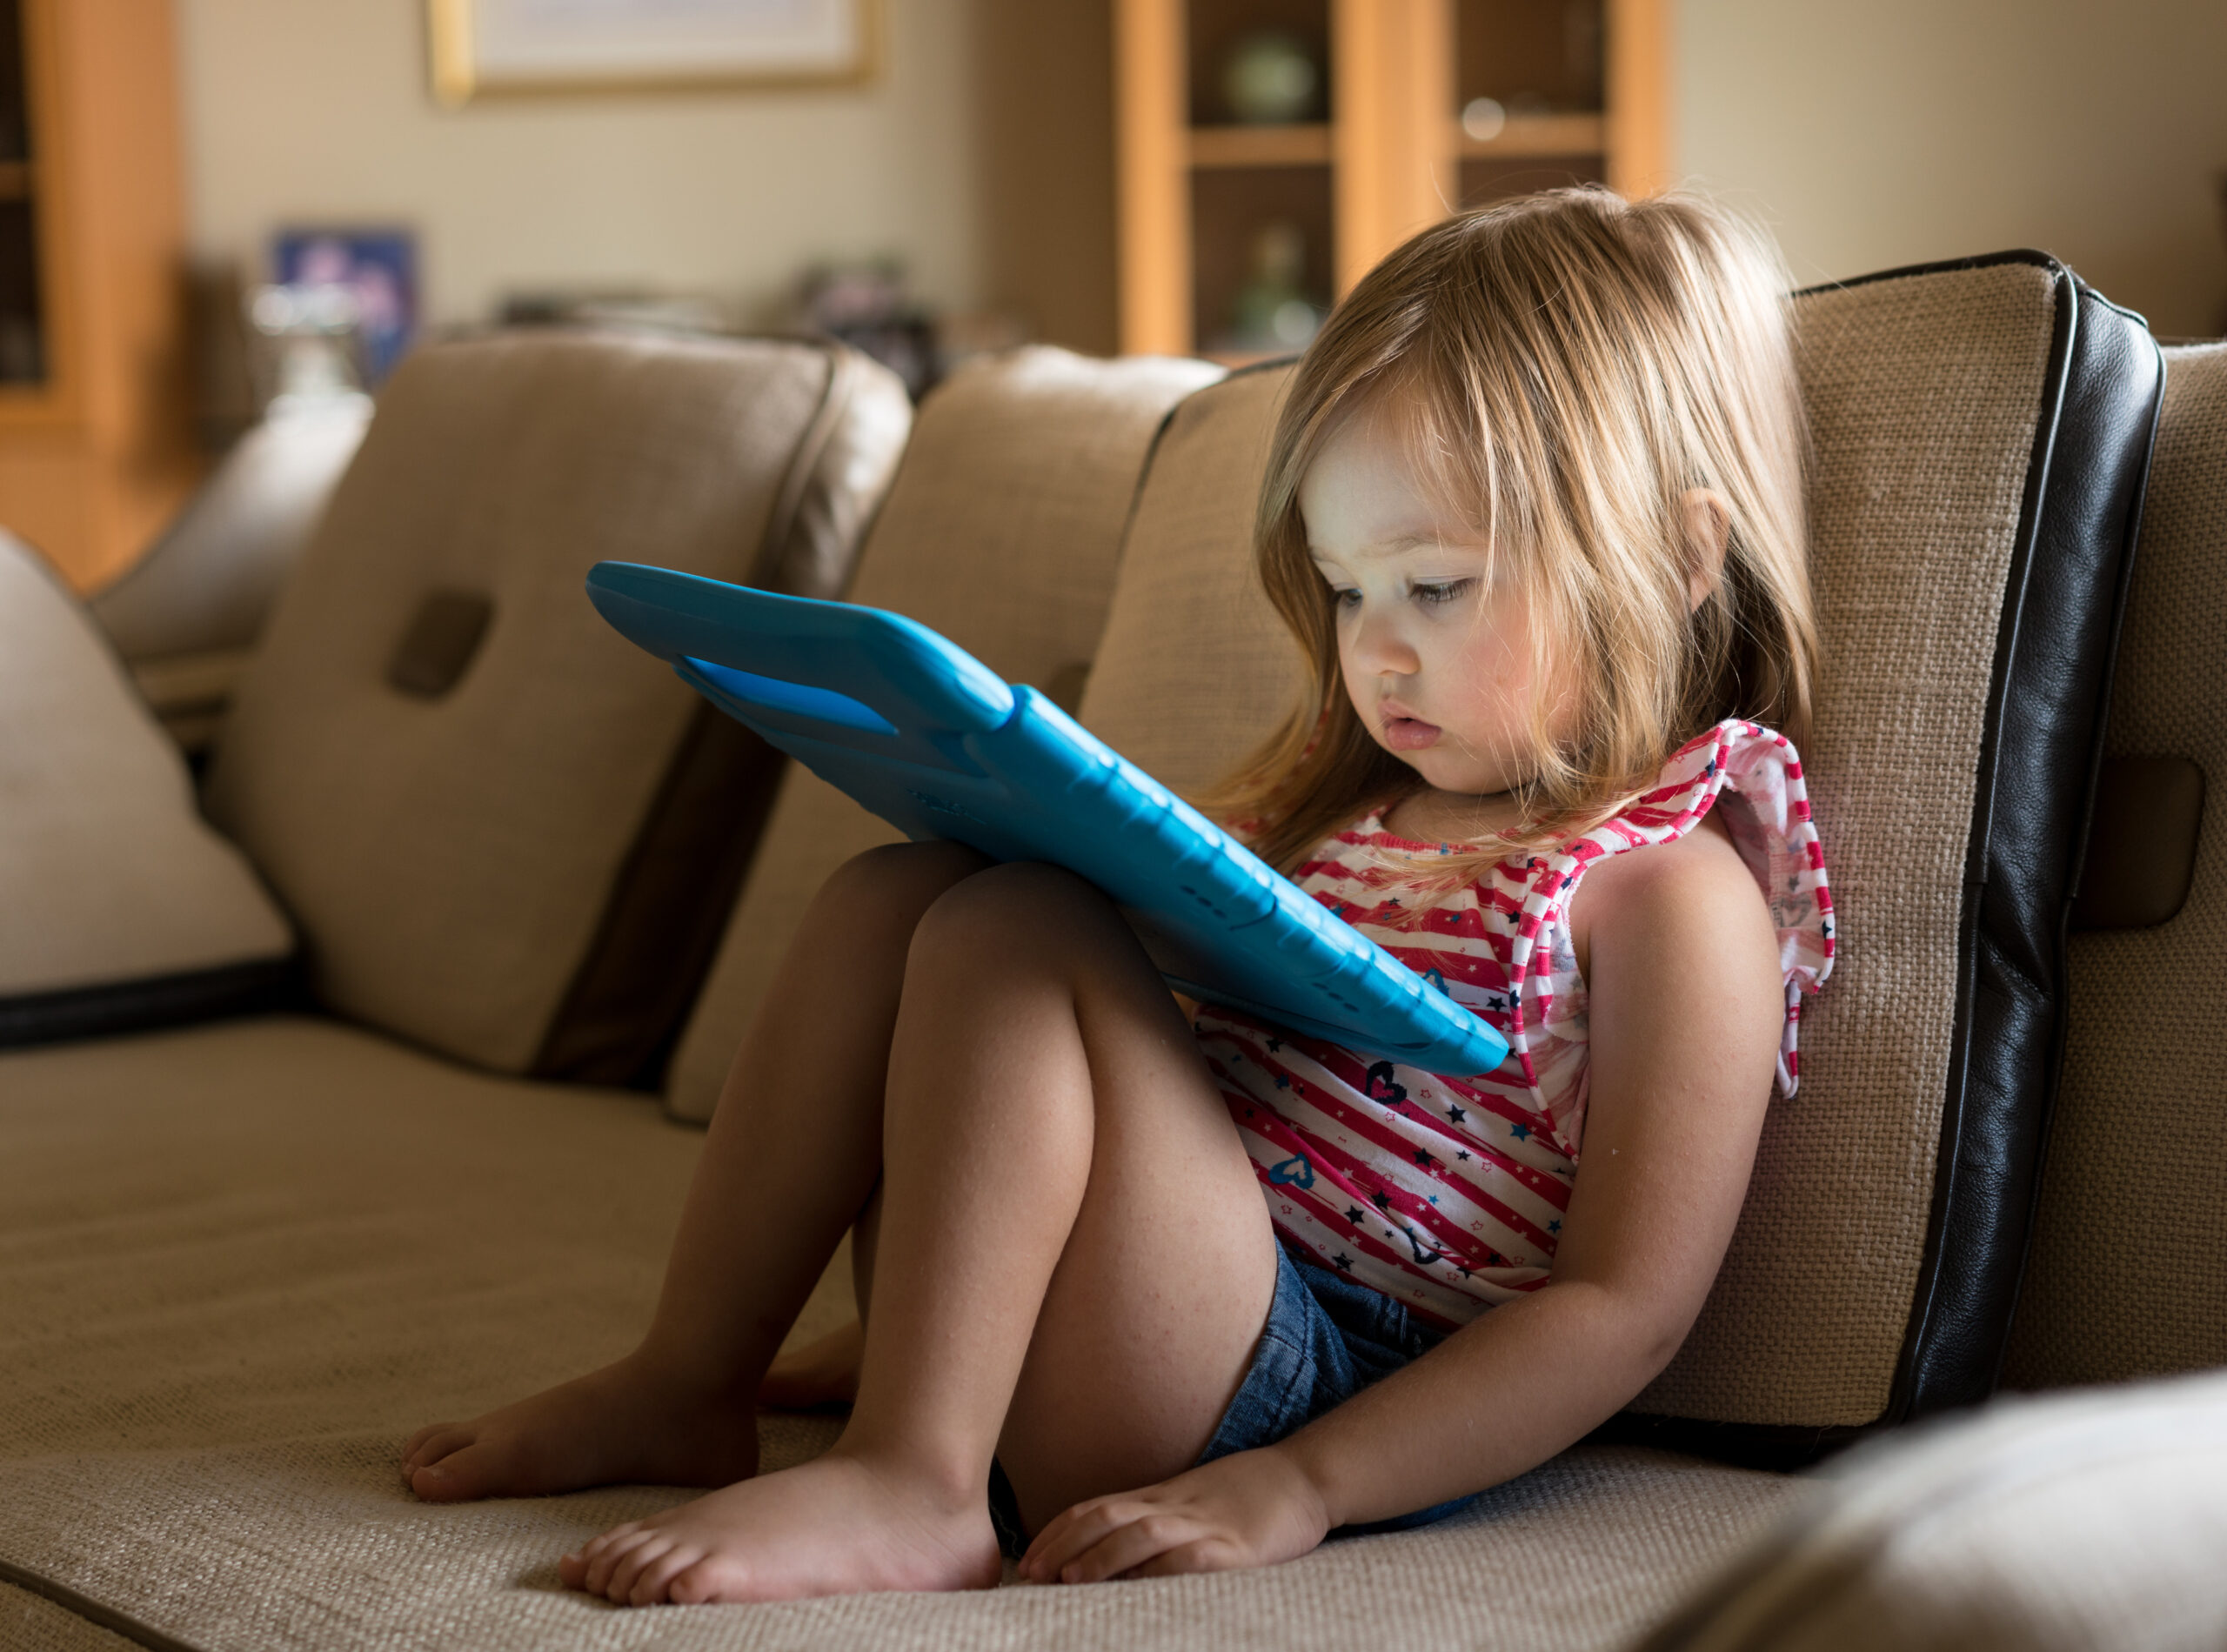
(1534, 513)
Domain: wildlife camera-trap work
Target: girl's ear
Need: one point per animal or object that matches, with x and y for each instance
(1708, 530)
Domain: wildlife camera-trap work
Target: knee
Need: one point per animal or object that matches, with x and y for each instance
(1005, 909)
(899, 877)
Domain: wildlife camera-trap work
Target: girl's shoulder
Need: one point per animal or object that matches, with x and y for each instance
(1730, 836)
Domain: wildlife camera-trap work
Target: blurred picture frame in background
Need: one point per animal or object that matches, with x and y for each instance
(482, 48)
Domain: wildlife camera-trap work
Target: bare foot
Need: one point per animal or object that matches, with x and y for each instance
(626, 1424)
(818, 1375)
(837, 1525)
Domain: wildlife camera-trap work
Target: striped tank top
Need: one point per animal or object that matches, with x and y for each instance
(1448, 1194)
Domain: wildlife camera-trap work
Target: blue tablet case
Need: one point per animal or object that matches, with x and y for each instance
(940, 746)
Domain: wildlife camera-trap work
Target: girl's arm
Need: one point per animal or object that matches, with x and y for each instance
(1686, 1007)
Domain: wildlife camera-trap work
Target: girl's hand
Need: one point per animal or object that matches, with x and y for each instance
(1249, 1509)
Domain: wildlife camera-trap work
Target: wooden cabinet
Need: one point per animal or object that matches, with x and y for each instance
(1424, 105)
(96, 445)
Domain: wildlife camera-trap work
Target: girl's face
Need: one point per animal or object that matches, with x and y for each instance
(1434, 648)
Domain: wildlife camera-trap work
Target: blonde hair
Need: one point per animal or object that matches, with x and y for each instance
(1563, 368)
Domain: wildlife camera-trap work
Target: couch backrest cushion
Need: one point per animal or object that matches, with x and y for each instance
(1195, 668)
(121, 908)
(1002, 531)
(468, 789)
(207, 584)
(1965, 597)
(2125, 1279)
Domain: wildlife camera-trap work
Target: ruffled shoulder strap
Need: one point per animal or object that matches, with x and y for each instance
(1758, 772)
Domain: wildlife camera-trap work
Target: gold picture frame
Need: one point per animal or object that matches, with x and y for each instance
(466, 65)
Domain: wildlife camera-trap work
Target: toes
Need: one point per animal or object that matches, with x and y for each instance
(618, 1588)
(695, 1584)
(460, 1468)
(602, 1555)
(659, 1569)
(409, 1446)
(429, 1446)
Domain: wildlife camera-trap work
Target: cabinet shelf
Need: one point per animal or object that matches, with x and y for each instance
(1208, 212)
(1299, 144)
(1528, 135)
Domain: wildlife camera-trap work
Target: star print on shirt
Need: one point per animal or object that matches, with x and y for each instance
(1520, 1132)
(1355, 1215)
(1342, 1261)
(1421, 1158)
(1454, 1116)
(1461, 1153)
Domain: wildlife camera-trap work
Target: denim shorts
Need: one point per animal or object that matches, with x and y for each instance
(1327, 1338)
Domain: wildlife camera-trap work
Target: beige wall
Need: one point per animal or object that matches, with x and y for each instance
(1868, 135)
(316, 111)
(1892, 131)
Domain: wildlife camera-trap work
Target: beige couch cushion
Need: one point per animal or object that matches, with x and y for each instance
(2125, 1277)
(115, 897)
(32, 1623)
(2079, 1523)
(451, 858)
(1002, 531)
(206, 584)
(319, 1239)
(1922, 394)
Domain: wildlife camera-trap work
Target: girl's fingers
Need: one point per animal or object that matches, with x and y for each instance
(1066, 1534)
(1199, 1554)
(1127, 1546)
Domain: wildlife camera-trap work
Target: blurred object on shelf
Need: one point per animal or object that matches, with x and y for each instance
(630, 309)
(306, 345)
(1271, 313)
(1270, 79)
(1484, 118)
(869, 307)
(377, 272)
(962, 339)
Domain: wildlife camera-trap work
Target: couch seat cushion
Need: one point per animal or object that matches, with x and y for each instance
(240, 1263)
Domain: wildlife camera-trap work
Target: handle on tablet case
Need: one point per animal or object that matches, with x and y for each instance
(907, 693)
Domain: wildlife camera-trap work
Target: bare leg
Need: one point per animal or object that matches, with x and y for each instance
(1073, 1254)
(793, 1152)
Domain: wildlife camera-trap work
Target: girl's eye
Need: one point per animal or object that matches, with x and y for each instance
(1445, 590)
(1347, 600)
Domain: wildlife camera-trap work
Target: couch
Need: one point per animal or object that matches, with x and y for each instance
(355, 1088)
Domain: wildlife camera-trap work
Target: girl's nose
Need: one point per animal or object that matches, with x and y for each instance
(1381, 647)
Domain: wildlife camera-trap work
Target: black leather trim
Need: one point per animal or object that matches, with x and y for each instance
(160, 1001)
(2039, 755)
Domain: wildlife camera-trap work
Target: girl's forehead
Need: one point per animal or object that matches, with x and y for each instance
(1364, 495)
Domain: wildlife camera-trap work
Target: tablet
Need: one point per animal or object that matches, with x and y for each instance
(942, 747)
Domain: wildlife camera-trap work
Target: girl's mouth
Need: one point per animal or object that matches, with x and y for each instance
(1410, 734)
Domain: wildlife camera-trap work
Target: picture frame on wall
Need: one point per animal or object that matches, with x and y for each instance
(482, 48)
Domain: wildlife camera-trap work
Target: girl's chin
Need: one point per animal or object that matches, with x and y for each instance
(1442, 770)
